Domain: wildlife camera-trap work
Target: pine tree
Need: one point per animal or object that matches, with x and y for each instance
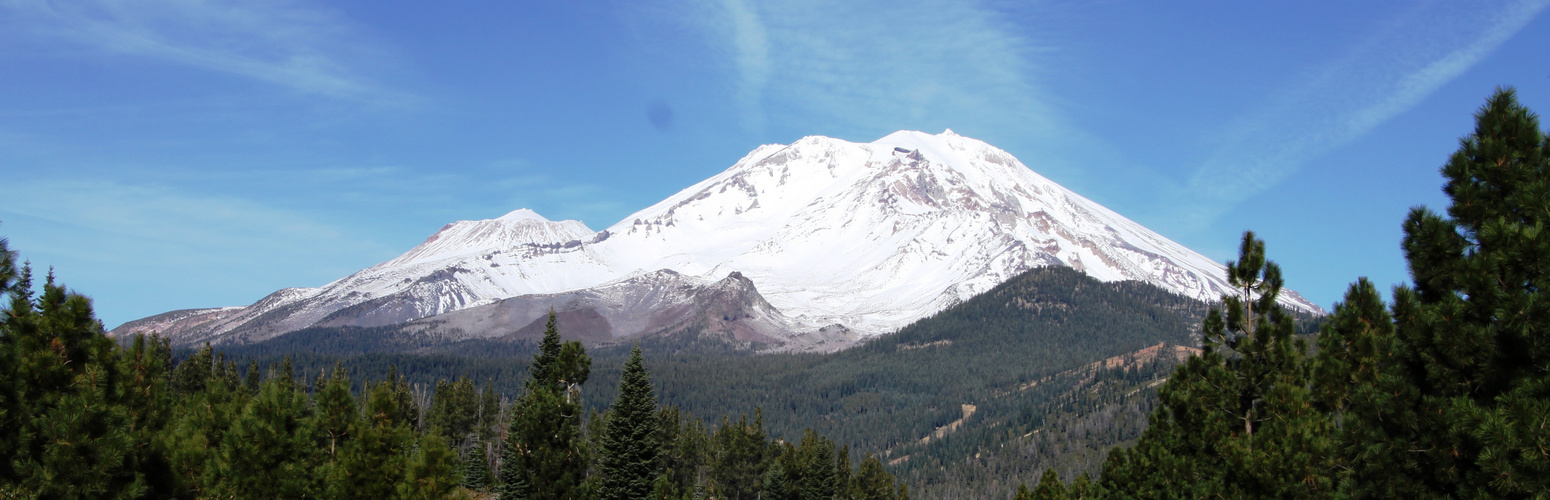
(776, 484)
(192, 374)
(1050, 487)
(373, 460)
(429, 471)
(253, 379)
(270, 450)
(545, 455)
(630, 444)
(819, 480)
(1459, 402)
(740, 457)
(73, 432)
(1083, 488)
(476, 469)
(11, 408)
(149, 402)
(454, 411)
(193, 438)
(1238, 420)
(490, 423)
(872, 482)
(336, 412)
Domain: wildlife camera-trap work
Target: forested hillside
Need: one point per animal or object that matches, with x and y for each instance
(1019, 355)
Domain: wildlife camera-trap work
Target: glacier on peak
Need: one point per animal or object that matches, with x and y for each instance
(871, 236)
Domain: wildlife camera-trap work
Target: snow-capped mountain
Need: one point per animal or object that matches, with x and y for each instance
(864, 236)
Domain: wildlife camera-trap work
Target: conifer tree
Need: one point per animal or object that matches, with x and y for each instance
(73, 437)
(476, 469)
(253, 379)
(336, 412)
(819, 479)
(454, 410)
(844, 477)
(490, 423)
(270, 450)
(630, 444)
(149, 402)
(1050, 487)
(1237, 420)
(192, 374)
(1083, 488)
(11, 408)
(740, 457)
(872, 482)
(545, 455)
(193, 438)
(373, 460)
(429, 471)
(776, 484)
(1459, 402)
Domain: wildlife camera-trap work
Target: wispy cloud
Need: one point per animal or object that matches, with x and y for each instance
(1393, 71)
(204, 223)
(873, 67)
(306, 49)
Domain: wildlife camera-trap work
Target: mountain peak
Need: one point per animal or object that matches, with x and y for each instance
(871, 236)
(522, 214)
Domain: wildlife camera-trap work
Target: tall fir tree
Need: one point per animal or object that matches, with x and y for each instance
(335, 413)
(630, 445)
(740, 457)
(544, 456)
(476, 469)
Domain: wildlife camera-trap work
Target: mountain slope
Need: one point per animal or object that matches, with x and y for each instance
(870, 236)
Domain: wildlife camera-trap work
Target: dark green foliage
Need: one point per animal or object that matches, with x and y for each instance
(490, 417)
(88, 417)
(1446, 395)
(476, 469)
(1459, 400)
(335, 412)
(430, 471)
(270, 449)
(191, 374)
(71, 427)
(1050, 487)
(739, 459)
(630, 442)
(1236, 420)
(545, 449)
(872, 482)
(454, 411)
(253, 378)
(874, 396)
(1084, 488)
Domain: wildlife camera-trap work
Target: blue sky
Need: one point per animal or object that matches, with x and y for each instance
(169, 154)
